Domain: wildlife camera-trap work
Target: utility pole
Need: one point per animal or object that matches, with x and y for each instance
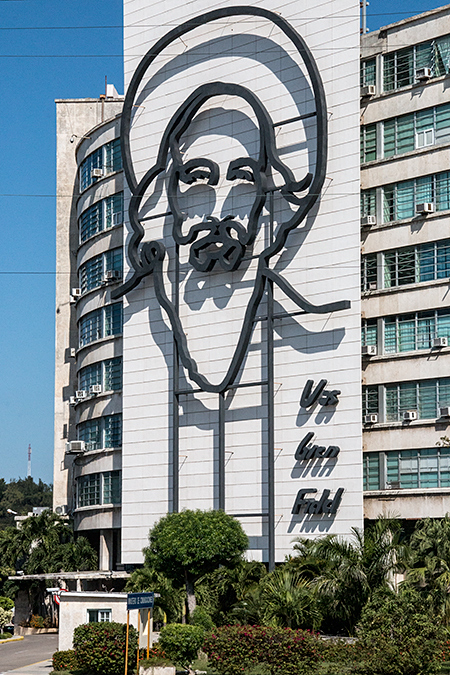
(29, 462)
(363, 4)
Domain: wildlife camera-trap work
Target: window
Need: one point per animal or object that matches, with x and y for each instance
(108, 158)
(400, 199)
(96, 489)
(101, 216)
(111, 487)
(414, 264)
(368, 72)
(101, 432)
(425, 397)
(99, 615)
(92, 273)
(89, 490)
(410, 332)
(369, 332)
(368, 142)
(103, 322)
(368, 202)
(106, 373)
(399, 68)
(369, 272)
(371, 471)
(369, 400)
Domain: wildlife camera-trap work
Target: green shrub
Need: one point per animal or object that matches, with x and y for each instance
(5, 617)
(60, 672)
(398, 635)
(65, 660)
(5, 636)
(201, 617)
(233, 649)
(100, 647)
(181, 642)
(6, 603)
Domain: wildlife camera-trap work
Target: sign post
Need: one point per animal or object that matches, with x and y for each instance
(140, 601)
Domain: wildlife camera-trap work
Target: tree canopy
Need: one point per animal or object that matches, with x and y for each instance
(187, 545)
(22, 495)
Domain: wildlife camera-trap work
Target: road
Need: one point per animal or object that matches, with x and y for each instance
(32, 649)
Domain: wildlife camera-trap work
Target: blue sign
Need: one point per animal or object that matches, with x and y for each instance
(140, 600)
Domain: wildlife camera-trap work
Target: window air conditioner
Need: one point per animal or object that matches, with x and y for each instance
(112, 275)
(368, 90)
(369, 350)
(62, 510)
(117, 218)
(367, 221)
(423, 74)
(75, 447)
(409, 415)
(72, 300)
(440, 342)
(371, 419)
(426, 207)
(80, 394)
(72, 400)
(76, 292)
(73, 352)
(372, 286)
(95, 389)
(444, 412)
(97, 173)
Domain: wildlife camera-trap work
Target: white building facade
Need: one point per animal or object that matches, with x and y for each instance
(242, 251)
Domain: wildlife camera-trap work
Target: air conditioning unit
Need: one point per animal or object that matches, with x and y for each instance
(444, 412)
(76, 292)
(97, 173)
(409, 415)
(80, 394)
(62, 510)
(72, 400)
(423, 74)
(369, 350)
(73, 352)
(372, 286)
(72, 300)
(368, 90)
(368, 221)
(112, 275)
(117, 218)
(75, 447)
(95, 389)
(426, 207)
(440, 342)
(371, 419)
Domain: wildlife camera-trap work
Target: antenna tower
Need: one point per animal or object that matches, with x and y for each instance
(29, 462)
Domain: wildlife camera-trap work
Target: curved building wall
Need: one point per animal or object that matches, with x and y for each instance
(88, 377)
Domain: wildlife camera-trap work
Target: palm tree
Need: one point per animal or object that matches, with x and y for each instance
(170, 602)
(428, 566)
(288, 601)
(353, 569)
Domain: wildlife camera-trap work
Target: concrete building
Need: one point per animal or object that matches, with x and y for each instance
(405, 181)
(88, 379)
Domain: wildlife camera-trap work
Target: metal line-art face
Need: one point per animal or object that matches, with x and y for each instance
(220, 240)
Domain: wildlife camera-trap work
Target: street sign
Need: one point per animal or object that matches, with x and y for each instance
(140, 600)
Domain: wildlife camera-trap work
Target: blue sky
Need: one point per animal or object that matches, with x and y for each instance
(52, 49)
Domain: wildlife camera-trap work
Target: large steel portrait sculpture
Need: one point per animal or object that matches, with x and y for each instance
(221, 241)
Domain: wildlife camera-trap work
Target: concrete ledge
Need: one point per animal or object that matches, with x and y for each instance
(15, 638)
(157, 670)
(26, 630)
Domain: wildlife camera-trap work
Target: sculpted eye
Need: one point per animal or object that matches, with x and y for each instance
(242, 169)
(199, 169)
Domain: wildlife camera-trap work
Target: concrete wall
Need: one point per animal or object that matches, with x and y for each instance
(74, 607)
(321, 261)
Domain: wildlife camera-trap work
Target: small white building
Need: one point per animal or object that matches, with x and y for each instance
(77, 608)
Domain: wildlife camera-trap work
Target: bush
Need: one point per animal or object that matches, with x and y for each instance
(201, 617)
(5, 617)
(181, 642)
(398, 635)
(100, 647)
(6, 603)
(5, 636)
(65, 660)
(37, 621)
(233, 649)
